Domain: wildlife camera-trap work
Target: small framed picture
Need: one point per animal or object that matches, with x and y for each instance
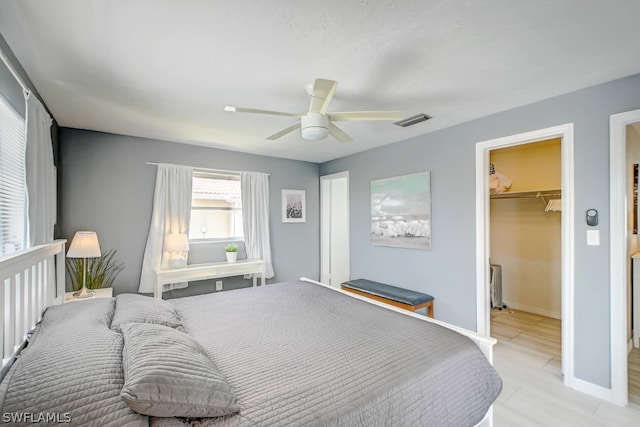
(294, 208)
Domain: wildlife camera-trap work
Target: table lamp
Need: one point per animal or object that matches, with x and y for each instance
(177, 245)
(84, 245)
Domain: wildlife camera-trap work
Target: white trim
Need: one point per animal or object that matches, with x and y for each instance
(568, 255)
(326, 217)
(565, 132)
(487, 421)
(618, 252)
(325, 226)
(26, 290)
(635, 302)
(592, 389)
(482, 238)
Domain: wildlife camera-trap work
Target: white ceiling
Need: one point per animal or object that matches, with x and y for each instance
(164, 69)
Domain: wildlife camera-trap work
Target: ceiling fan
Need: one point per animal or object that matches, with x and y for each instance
(317, 124)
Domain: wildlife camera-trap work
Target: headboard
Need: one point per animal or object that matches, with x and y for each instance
(31, 280)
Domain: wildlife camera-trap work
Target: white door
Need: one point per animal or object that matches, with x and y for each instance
(334, 228)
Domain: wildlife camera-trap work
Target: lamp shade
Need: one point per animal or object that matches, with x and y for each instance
(176, 242)
(84, 245)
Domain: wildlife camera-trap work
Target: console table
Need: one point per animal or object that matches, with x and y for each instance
(193, 272)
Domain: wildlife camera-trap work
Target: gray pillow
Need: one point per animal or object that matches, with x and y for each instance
(168, 374)
(134, 308)
(72, 365)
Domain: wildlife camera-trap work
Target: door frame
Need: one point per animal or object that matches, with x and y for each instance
(325, 223)
(565, 132)
(619, 262)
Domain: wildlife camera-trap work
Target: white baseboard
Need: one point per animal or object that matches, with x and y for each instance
(591, 389)
(534, 310)
(629, 346)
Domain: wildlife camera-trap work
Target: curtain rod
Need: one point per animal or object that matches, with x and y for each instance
(205, 169)
(13, 72)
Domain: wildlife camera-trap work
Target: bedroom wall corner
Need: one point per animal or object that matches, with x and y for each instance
(108, 187)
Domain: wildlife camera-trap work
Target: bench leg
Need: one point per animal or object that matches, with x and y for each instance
(430, 309)
(427, 305)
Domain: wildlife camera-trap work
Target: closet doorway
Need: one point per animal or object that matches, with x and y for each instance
(525, 252)
(334, 229)
(525, 227)
(564, 307)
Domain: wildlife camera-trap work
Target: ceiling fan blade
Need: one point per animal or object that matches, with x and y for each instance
(233, 109)
(365, 115)
(323, 91)
(338, 133)
(284, 131)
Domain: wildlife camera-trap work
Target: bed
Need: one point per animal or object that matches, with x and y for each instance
(292, 353)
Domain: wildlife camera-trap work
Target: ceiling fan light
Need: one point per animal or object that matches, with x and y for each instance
(315, 133)
(315, 126)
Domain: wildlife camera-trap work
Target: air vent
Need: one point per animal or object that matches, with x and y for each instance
(413, 120)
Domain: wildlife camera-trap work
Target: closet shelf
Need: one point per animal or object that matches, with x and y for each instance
(533, 194)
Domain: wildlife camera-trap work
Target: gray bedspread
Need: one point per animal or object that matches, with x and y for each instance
(298, 354)
(295, 353)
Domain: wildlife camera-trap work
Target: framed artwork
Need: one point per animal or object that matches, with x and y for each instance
(294, 208)
(401, 211)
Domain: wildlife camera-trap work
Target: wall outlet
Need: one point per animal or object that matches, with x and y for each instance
(218, 285)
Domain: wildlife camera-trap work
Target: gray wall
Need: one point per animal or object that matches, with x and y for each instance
(108, 188)
(448, 270)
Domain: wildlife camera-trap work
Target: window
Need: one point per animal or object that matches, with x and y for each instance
(216, 207)
(13, 188)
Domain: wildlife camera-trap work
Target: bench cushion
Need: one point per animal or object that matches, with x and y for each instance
(387, 291)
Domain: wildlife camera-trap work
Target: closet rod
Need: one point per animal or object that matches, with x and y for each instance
(527, 194)
(206, 170)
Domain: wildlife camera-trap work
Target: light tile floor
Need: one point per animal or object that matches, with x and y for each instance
(528, 357)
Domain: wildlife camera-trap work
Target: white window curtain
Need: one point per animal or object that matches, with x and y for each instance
(171, 214)
(40, 172)
(255, 218)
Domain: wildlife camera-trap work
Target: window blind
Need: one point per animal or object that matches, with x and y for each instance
(12, 179)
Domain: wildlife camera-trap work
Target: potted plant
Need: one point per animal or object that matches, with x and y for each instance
(232, 252)
(101, 272)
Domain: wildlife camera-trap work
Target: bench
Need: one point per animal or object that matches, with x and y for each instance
(398, 297)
